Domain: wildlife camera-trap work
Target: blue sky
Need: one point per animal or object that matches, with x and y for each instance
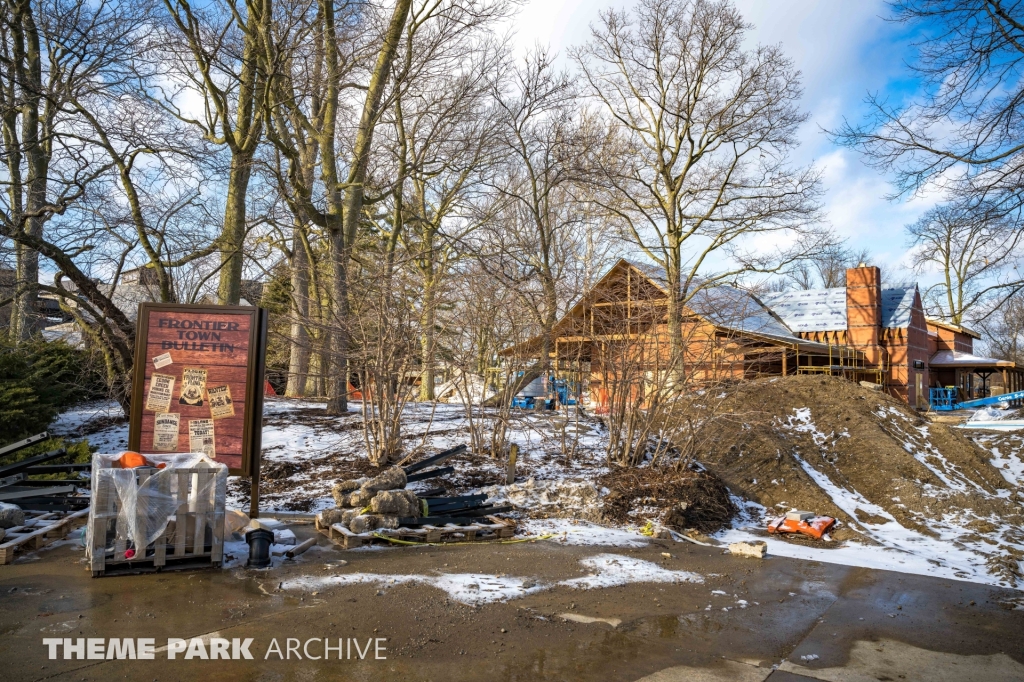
(844, 50)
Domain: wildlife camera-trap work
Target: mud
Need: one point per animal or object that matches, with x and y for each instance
(863, 441)
(622, 633)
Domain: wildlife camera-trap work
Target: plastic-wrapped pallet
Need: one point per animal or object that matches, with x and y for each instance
(173, 509)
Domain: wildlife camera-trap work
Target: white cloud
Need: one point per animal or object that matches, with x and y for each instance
(844, 51)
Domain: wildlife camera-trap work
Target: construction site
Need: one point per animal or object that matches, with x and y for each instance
(519, 340)
(819, 484)
(806, 485)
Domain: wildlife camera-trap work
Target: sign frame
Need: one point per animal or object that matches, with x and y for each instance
(252, 434)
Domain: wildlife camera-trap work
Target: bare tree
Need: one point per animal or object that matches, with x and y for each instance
(826, 266)
(51, 166)
(343, 236)
(696, 168)
(1004, 329)
(976, 253)
(443, 140)
(539, 234)
(219, 53)
(963, 134)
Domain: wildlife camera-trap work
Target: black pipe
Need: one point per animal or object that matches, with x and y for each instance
(410, 522)
(433, 493)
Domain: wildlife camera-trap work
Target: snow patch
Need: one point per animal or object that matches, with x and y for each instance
(609, 570)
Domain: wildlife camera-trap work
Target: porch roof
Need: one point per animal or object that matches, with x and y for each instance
(955, 359)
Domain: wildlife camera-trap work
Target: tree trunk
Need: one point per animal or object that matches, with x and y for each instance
(338, 370)
(229, 290)
(298, 362)
(674, 315)
(427, 338)
(342, 240)
(24, 308)
(28, 66)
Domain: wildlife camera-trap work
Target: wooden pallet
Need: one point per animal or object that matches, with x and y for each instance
(478, 532)
(194, 532)
(39, 528)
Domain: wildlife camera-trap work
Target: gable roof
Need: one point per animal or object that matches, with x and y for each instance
(737, 310)
(810, 310)
(897, 306)
(824, 310)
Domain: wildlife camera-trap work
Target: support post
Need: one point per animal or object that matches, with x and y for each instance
(254, 495)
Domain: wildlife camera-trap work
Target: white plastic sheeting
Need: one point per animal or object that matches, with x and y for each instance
(146, 508)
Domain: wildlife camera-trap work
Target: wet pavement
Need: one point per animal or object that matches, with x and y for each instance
(776, 619)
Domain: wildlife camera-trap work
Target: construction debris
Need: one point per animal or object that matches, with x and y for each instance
(38, 529)
(300, 548)
(41, 494)
(11, 515)
(802, 522)
(384, 503)
(757, 550)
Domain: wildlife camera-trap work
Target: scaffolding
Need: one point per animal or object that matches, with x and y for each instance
(846, 362)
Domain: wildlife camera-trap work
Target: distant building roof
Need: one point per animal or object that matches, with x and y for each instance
(959, 328)
(66, 331)
(655, 273)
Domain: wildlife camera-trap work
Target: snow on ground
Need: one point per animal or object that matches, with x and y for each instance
(582, 533)
(298, 433)
(1007, 456)
(916, 442)
(605, 570)
(610, 570)
(102, 422)
(958, 552)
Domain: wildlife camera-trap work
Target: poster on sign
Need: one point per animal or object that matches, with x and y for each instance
(198, 382)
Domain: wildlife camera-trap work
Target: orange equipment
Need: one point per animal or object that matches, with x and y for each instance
(805, 523)
(130, 460)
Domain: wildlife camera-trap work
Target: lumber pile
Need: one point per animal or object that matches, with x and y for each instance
(366, 505)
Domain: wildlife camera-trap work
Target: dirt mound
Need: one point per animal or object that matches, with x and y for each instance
(833, 447)
(677, 499)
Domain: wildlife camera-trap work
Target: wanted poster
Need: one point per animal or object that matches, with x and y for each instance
(220, 402)
(200, 437)
(165, 432)
(161, 389)
(193, 385)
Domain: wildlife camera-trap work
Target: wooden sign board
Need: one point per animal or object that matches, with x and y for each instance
(198, 382)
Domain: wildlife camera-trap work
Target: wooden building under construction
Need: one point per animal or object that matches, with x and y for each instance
(617, 332)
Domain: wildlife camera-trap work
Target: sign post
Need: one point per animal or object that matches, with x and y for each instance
(197, 384)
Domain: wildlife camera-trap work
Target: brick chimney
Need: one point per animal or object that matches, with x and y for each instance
(864, 310)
